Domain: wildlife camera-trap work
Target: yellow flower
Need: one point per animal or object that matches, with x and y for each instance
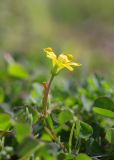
(62, 61)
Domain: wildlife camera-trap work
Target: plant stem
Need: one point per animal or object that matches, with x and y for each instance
(49, 84)
(55, 139)
(70, 138)
(46, 92)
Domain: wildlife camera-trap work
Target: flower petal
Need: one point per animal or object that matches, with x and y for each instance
(48, 49)
(76, 64)
(63, 59)
(69, 67)
(69, 56)
(50, 54)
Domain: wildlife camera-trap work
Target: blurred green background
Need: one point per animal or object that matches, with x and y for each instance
(82, 28)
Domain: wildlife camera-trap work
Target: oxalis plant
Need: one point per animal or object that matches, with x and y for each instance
(58, 63)
(35, 131)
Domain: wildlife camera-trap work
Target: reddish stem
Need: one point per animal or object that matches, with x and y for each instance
(46, 92)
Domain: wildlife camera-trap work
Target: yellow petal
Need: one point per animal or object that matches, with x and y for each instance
(50, 54)
(48, 49)
(63, 59)
(69, 56)
(69, 67)
(76, 64)
(54, 61)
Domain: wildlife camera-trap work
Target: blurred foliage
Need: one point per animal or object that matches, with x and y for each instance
(81, 108)
(77, 12)
(82, 28)
(79, 125)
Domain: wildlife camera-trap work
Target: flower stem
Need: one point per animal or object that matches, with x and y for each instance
(46, 92)
(70, 138)
(55, 139)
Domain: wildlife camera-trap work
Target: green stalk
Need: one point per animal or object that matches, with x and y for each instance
(46, 93)
(70, 138)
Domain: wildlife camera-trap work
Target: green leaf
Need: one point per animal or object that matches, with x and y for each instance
(77, 130)
(34, 113)
(85, 130)
(83, 157)
(110, 135)
(28, 147)
(49, 121)
(22, 130)
(46, 137)
(65, 116)
(77, 137)
(2, 95)
(36, 94)
(45, 151)
(105, 103)
(16, 70)
(103, 112)
(4, 121)
(69, 102)
(71, 137)
(66, 156)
